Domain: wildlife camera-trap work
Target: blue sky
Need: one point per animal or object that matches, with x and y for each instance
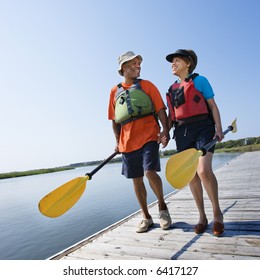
(59, 61)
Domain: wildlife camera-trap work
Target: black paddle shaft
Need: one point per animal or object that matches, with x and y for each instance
(101, 165)
(214, 141)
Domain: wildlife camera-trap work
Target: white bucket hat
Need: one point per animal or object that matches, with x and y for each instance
(126, 57)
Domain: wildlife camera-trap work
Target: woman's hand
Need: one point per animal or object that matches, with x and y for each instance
(163, 138)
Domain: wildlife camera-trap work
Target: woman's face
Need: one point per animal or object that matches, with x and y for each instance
(180, 67)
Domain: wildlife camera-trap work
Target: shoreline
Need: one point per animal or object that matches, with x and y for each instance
(14, 174)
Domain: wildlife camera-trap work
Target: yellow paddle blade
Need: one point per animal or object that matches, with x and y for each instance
(182, 167)
(63, 198)
(234, 125)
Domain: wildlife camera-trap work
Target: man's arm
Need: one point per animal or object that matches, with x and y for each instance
(116, 129)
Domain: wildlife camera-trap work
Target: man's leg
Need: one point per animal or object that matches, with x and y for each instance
(141, 195)
(156, 185)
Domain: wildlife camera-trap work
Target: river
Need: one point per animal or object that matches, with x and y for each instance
(26, 234)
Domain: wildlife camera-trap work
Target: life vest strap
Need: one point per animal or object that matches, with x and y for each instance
(192, 119)
(139, 117)
(128, 102)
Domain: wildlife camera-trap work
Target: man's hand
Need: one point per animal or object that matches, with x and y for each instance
(163, 138)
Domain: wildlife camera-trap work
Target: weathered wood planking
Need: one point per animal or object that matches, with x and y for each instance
(239, 193)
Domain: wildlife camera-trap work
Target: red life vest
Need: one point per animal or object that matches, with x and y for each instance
(186, 104)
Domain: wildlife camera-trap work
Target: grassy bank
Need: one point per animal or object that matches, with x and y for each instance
(241, 149)
(32, 172)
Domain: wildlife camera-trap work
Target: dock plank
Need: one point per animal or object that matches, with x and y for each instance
(239, 195)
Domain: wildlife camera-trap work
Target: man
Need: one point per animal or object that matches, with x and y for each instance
(134, 107)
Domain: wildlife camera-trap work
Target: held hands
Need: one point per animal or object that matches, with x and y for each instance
(163, 138)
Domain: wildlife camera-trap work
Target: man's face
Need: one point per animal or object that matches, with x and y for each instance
(132, 68)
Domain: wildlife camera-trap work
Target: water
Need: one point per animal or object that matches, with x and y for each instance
(26, 234)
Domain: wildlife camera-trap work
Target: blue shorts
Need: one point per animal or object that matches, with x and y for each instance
(194, 135)
(136, 162)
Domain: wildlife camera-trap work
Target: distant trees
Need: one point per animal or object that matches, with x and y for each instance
(238, 143)
(224, 145)
(93, 162)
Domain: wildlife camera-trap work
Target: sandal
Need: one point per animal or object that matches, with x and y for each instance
(201, 228)
(218, 228)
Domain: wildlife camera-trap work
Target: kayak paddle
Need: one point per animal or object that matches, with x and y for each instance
(64, 197)
(182, 167)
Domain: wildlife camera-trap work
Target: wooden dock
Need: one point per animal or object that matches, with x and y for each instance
(239, 194)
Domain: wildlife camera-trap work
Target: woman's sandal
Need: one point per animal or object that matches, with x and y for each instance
(218, 228)
(201, 228)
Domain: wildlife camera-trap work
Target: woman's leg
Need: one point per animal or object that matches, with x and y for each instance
(210, 184)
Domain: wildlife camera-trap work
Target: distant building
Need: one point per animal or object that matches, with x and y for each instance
(247, 141)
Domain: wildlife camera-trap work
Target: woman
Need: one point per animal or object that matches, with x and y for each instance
(195, 116)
